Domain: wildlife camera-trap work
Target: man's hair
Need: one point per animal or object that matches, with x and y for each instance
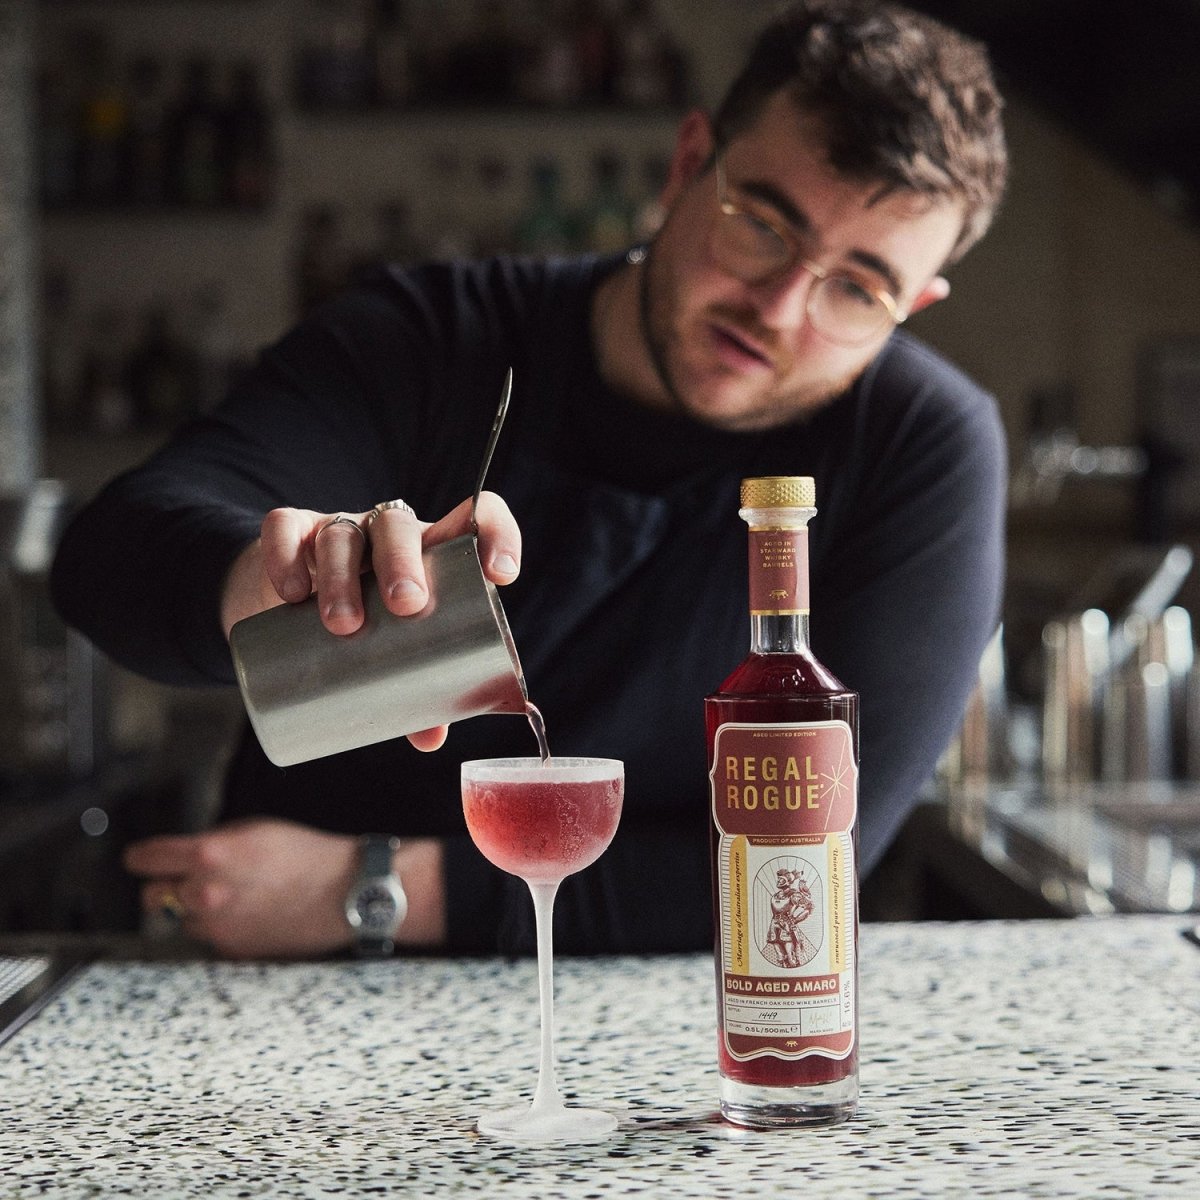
(901, 99)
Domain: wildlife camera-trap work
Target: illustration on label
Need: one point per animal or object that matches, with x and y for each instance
(789, 911)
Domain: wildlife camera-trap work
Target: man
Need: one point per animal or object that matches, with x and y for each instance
(857, 155)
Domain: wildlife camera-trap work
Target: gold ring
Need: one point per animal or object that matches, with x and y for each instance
(387, 504)
(172, 906)
(344, 519)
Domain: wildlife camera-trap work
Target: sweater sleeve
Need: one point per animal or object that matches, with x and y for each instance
(141, 568)
(909, 593)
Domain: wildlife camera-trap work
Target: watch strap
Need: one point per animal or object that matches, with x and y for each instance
(377, 851)
(375, 863)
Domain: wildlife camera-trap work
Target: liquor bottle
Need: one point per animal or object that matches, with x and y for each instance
(146, 137)
(546, 225)
(551, 75)
(608, 218)
(322, 262)
(643, 56)
(195, 139)
(783, 755)
(59, 134)
(160, 374)
(248, 151)
(104, 119)
(393, 56)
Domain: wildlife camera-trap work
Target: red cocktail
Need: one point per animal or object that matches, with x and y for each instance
(542, 821)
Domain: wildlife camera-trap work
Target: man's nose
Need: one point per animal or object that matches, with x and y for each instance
(783, 299)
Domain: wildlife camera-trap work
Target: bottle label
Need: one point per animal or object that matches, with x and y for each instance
(785, 799)
(778, 571)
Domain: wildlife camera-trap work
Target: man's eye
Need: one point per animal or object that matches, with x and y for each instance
(762, 233)
(850, 291)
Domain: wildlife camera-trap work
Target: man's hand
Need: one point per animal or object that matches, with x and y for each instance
(269, 888)
(300, 552)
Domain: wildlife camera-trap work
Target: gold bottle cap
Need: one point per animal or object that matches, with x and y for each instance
(779, 491)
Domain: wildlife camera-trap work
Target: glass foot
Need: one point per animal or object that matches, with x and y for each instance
(531, 1126)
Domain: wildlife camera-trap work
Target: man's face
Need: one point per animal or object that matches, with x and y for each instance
(744, 356)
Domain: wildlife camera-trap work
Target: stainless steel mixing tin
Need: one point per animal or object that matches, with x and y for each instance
(310, 693)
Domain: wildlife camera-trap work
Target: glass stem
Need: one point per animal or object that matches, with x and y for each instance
(547, 1094)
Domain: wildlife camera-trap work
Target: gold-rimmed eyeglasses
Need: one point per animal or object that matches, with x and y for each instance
(749, 245)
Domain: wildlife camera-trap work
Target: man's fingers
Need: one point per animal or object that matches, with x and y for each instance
(499, 535)
(303, 551)
(171, 855)
(285, 538)
(339, 548)
(396, 538)
(429, 739)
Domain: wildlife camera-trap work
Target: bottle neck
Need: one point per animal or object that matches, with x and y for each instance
(778, 567)
(778, 634)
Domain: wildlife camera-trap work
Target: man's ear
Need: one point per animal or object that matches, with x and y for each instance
(938, 288)
(693, 148)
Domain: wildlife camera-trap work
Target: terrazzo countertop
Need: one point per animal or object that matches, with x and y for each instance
(1034, 1059)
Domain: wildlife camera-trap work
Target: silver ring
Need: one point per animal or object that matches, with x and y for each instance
(382, 508)
(343, 519)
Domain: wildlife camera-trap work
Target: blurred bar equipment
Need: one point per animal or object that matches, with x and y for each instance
(978, 758)
(1055, 456)
(1116, 681)
(979, 754)
(1077, 662)
(54, 680)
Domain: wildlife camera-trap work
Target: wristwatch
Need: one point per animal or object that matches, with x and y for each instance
(376, 904)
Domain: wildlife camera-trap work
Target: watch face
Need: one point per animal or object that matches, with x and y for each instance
(376, 908)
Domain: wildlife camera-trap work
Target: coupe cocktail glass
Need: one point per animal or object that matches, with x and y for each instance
(543, 821)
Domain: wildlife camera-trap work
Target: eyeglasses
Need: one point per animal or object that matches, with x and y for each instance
(751, 247)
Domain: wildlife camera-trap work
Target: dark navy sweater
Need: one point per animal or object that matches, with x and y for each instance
(631, 604)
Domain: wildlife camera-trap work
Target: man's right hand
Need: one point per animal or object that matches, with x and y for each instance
(300, 552)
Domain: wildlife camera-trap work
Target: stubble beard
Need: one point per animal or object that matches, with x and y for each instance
(785, 409)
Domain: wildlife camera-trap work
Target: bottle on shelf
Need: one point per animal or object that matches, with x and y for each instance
(494, 229)
(247, 150)
(783, 765)
(393, 56)
(196, 139)
(59, 139)
(212, 345)
(333, 65)
(160, 372)
(322, 262)
(649, 213)
(649, 63)
(551, 74)
(451, 234)
(59, 351)
(104, 404)
(595, 34)
(104, 117)
(546, 226)
(483, 61)
(146, 149)
(394, 242)
(437, 28)
(608, 217)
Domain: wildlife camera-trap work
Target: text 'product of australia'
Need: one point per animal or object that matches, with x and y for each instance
(783, 770)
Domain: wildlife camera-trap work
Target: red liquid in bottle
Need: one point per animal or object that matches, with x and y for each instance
(783, 689)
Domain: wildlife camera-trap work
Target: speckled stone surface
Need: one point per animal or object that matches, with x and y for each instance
(1037, 1059)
